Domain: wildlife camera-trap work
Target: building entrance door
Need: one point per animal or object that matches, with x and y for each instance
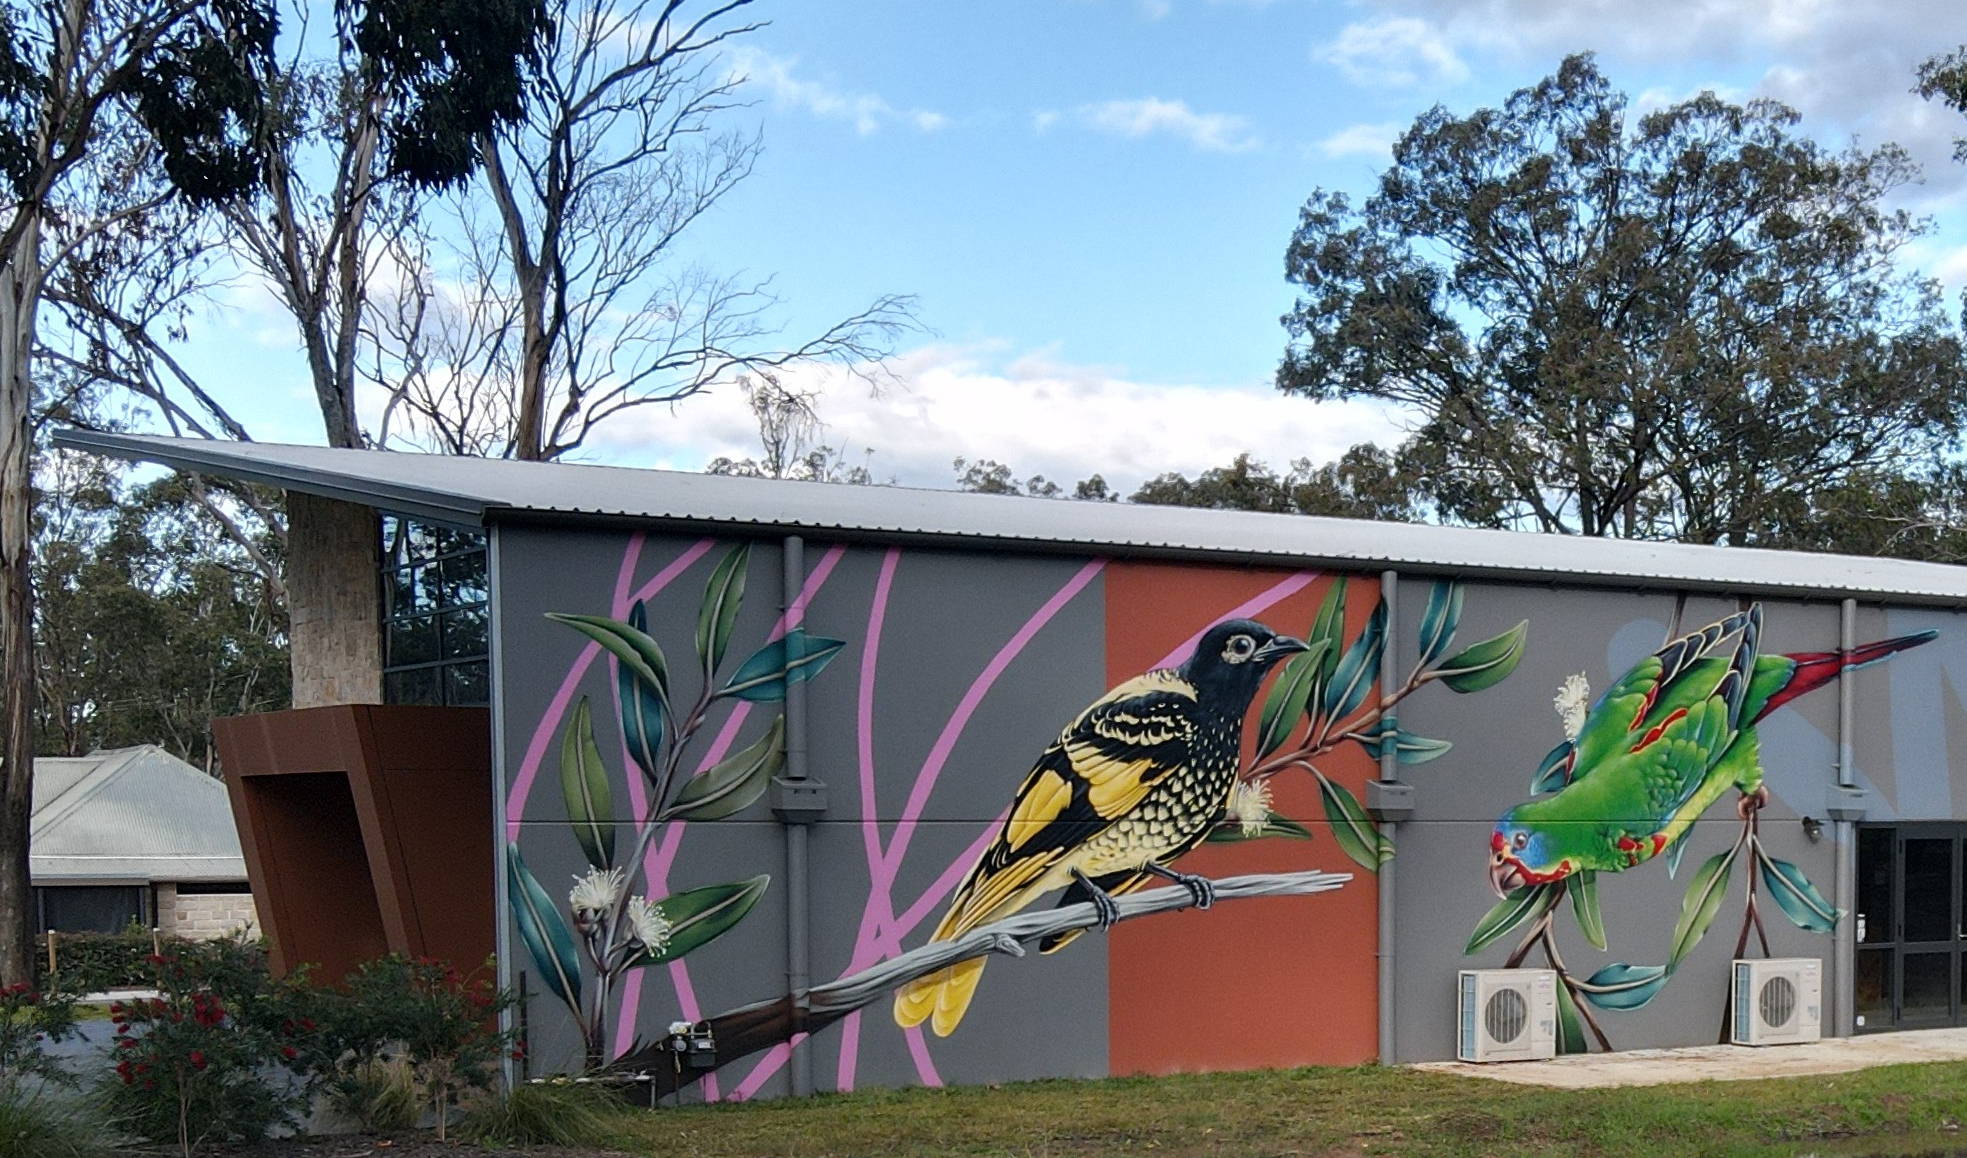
(1909, 925)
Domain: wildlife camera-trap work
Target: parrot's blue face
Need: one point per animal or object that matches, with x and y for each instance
(1520, 855)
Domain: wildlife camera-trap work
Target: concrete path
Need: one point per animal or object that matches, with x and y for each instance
(1722, 1063)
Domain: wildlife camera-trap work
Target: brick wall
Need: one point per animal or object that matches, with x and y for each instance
(203, 915)
(334, 600)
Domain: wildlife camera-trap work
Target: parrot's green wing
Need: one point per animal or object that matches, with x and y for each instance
(1625, 706)
(1671, 760)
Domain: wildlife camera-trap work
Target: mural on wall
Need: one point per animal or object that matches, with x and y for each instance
(1153, 768)
(1638, 766)
(1182, 772)
(609, 926)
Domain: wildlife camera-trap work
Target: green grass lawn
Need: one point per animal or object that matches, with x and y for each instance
(1890, 1110)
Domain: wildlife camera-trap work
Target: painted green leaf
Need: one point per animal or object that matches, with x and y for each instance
(1570, 1025)
(730, 785)
(699, 916)
(584, 786)
(1351, 827)
(1584, 905)
(722, 597)
(1676, 852)
(1521, 905)
(1702, 902)
(1486, 664)
(1412, 749)
(791, 658)
(1229, 831)
(635, 648)
(1438, 622)
(642, 709)
(1797, 896)
(1623, 986)
(1328, 628)
(544, 931)
(1555, 771)
(1285, 705)
(1359, 669)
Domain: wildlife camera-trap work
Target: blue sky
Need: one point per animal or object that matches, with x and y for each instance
(1092, 197)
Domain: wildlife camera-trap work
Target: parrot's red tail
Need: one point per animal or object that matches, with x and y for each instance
(1814, 669)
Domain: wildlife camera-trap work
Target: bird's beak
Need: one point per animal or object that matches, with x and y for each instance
(1281, 645)
(1504, 876)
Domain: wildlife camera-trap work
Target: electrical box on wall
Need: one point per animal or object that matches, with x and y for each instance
(1779, 1001)
(1507, 1015)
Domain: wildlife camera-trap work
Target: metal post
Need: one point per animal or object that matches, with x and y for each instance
(798, 966)
(1843, 953)
(1389, 773)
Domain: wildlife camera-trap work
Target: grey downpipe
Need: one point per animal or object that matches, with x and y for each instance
(1389, 773)
(798, 917)
(1843, 953)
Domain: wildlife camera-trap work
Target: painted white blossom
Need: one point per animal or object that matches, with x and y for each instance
(1249, 805)
(1573, 703)
(595, 893)
(647, 925)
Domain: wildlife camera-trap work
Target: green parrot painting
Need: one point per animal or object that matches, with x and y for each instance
(1667, 740)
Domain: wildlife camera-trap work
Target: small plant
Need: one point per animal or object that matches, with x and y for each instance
(378, 1094)
(558, 1113)
(29, 1022)
(441, 1023)
(35, 1123)
(220, 1055)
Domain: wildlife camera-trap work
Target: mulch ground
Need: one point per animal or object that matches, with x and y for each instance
(399, 1146)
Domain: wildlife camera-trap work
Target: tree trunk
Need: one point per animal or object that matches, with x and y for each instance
(19, 293)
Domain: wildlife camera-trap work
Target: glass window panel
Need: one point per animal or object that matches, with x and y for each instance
(464, 579)
(1874, 987)
(91, 908)
(422, 538)
(397, 592)
(464, 633)
(412, 640)
(1875, 885)
(467, 684)
(1928, 986)
(394, 548)
(426, 588)
(1929, 888)
(416, 686)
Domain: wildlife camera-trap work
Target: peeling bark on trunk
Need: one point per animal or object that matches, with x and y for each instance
(19, 293)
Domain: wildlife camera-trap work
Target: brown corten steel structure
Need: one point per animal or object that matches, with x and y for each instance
(367, 830)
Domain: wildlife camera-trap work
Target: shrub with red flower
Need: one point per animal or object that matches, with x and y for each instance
(29, 1021)
(218, 1055)
(440, 1021)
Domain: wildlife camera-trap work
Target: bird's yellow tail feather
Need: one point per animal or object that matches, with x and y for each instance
(941, 998)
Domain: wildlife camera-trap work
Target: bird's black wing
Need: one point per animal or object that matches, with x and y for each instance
(1094, 773)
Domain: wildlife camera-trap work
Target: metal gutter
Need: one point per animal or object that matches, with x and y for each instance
(1844, 949)
(1389, 824)
(798, 884)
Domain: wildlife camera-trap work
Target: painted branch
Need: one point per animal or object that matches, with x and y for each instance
(750, 1028)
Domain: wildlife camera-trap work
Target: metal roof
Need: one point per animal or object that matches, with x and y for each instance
(476, 490)
(130, 814)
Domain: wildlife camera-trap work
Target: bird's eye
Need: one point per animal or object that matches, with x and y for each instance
(1240, 648)
(1521, 839)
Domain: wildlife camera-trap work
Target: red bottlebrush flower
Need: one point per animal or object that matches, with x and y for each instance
(154, 958)
(127, 1043)
(289, 1052)
(197, 1059)
(518, 1054)
(307, 1024)
(115, 1009)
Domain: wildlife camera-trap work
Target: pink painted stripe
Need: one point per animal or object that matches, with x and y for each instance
(556, 708)
(850, 1053)
(1262, 602)
(773, 1061)
(662, 855)
(925, 781)
(946, 883)
(877, 616)
(918, 1049)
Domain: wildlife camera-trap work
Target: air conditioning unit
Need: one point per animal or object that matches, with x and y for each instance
(1507, 1015)
(1779, 1001)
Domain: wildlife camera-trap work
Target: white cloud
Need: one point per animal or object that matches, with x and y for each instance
(868, 112)
(1846, 65)
(1150, 116)
(1037, 415)
(1374, 141)
(1394, 52)
(1155, 9)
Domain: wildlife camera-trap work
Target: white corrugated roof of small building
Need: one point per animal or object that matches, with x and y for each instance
(476, 490)
(130, 814)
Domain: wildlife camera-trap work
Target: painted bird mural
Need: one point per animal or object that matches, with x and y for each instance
(1663, 743)
(1132, 783)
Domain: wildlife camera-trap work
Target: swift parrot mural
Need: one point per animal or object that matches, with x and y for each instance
(1638, 767)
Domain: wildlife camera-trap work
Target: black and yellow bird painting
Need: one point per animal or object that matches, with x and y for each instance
(1132, 783)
